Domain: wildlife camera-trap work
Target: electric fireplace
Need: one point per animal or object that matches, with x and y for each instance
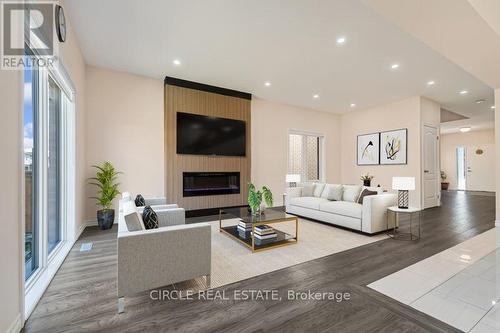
(210, 183)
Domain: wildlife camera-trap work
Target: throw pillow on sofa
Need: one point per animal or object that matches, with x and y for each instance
(365, 193)
(149, 218)
(335, 192)
(139, 201)
(351, 193)
(307, 189)
(318, 189)
(377, 189)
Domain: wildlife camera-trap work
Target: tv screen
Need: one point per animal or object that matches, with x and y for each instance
(203, 135)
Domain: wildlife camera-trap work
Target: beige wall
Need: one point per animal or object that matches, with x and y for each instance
(409, 113)
(449, 144)
(10, 197)
(271, 123)
(124, 125)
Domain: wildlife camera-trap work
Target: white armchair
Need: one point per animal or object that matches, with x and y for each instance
(155, 258)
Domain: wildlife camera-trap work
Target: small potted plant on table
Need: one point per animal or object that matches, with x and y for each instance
(255, 198)
(105, 180)
(367, 179)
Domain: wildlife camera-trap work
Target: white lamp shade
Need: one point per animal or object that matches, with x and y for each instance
(292, 178)
(403, 183)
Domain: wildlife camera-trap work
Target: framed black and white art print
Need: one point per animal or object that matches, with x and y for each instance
(368, 149)
(394, 147)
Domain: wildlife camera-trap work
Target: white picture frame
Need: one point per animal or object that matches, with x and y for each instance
(368, 149)
(394, 147)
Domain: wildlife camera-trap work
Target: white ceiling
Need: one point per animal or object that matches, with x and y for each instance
(480, 122)
(241, 44)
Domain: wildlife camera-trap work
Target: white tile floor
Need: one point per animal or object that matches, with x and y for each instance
(460, 286)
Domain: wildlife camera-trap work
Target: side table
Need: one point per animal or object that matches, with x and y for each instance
(411, 211)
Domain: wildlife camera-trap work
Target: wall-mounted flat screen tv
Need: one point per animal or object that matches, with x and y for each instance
(203, 135)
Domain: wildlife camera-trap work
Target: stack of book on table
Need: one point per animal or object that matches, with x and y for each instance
(244, 229)
(264, 234)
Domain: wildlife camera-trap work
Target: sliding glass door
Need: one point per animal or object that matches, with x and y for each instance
(54, 167)
(48, 155)
(31, 144)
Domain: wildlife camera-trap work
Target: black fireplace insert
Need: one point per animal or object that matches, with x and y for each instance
(210, 183)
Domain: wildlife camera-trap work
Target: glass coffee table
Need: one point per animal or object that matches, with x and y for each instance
(283, 225)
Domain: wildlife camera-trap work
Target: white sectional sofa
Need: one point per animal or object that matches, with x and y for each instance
(314, 201)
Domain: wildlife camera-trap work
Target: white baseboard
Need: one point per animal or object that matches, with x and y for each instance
(93, 223)
(16, 325)
(90, 223)
(80, 230)
(497, 223)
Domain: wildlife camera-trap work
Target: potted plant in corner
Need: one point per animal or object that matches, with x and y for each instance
(105, 180)
(444, 183)
(255, 198)
(367, 179)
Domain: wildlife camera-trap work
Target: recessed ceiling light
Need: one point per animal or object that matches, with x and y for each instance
(341, 40)
(353, 105)
(395, 66)
(492, 107)
(315, 96)
(431, 83)
(176, 62)
(464, 129)
(480, 101)
(463, 92)
(267, 84)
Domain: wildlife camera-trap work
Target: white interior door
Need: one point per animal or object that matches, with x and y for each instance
(431, 169)
(481, 168)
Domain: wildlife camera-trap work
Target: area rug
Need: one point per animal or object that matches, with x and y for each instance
(232, 261)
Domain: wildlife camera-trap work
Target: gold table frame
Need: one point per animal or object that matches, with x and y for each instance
(252, 246)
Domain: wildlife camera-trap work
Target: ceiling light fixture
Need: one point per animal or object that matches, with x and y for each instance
(267, 84)
(464, 129)
(492, 107)
(315, 96)
(353, 105)
(480, 101)
(341, 40)
(463, 92)
(395, 66)
(431, 83)
(176, 62)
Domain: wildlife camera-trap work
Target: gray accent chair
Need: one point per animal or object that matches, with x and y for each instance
(156, 201)
(154, 258)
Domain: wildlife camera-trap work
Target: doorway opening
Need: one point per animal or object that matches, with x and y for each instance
(461, 172)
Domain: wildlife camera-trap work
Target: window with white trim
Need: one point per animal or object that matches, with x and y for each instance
(305, 156)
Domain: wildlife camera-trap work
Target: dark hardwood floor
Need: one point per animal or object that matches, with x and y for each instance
(82, 295)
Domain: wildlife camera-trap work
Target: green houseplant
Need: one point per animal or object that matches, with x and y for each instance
(255, 198)
(444, 183)
(107, 191)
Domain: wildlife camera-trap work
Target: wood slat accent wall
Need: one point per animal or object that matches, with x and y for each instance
(179, 99)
